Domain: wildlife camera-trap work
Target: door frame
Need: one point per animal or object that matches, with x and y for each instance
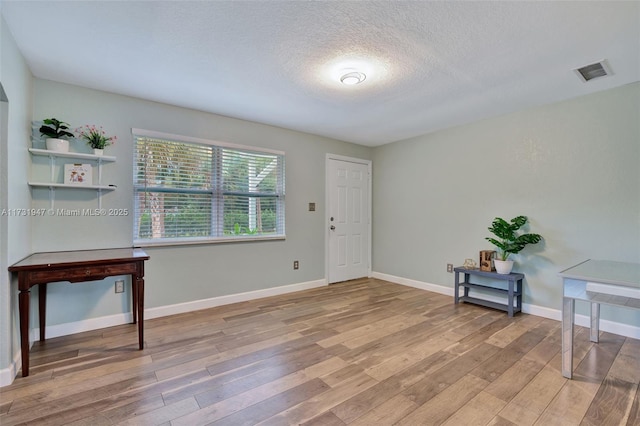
(327, 214)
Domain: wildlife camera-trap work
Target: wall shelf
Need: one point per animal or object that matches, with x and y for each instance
(56, 154)
(52, 184)
(66, 185)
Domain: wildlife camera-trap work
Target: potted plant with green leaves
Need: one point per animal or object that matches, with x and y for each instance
(56, 131)
(508, 241)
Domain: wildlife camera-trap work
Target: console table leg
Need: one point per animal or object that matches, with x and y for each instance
(594, 333)
(134, 293)
(456, 289)
(466, 280)
(42, 309)
(568, 307)
(140, 285)
(23, 302)
(510, 299)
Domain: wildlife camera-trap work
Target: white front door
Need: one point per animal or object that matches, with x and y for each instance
(349, 224)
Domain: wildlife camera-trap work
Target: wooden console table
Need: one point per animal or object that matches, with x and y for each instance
(76, 266)
(513, 291)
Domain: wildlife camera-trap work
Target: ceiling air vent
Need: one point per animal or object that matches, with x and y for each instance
(591, 71)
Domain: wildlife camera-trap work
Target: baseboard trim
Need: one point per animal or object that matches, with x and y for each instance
(80, 326)
(541, 311)
(436, 288)
(7, 375)
(180, 308)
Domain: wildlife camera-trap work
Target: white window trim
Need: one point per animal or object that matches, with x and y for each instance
(135, 132)
(190, 139)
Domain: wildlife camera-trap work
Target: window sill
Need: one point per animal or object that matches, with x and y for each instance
(195, 241)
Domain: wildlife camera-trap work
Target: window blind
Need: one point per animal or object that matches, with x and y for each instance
(190, 191)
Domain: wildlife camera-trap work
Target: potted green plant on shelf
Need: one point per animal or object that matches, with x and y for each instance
(56, 131)
(95, 137)
(508, 242)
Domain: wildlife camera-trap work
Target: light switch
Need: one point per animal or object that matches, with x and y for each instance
(312, 207)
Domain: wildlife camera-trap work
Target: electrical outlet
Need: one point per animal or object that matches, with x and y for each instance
(449, 267)
(119, 286)
(296, 264)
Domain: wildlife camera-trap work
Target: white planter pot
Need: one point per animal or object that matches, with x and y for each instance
(503, 266)
(59, 145)
(98, 151)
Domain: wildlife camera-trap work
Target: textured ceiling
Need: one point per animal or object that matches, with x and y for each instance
(429, 65)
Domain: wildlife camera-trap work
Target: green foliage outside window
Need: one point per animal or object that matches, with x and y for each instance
(181, 187)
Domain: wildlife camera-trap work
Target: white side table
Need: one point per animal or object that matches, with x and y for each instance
(595, 282)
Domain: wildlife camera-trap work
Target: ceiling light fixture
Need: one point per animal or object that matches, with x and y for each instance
(353, 77)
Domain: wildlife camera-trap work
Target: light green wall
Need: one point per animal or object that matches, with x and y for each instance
(15, 232)
(572, 167)
(186, 273)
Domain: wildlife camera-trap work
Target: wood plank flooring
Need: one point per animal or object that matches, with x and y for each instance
(365, 352)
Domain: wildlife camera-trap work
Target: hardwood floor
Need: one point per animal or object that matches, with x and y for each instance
(365, 352)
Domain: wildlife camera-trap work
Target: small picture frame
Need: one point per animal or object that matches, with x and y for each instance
(78, 174)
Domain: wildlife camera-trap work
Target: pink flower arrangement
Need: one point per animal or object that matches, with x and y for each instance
(95, 137)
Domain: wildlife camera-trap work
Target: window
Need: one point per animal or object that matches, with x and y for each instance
(193, 190)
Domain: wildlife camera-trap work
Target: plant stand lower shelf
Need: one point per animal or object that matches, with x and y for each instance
(513, 293)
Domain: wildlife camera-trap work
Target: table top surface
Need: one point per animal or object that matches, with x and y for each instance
(45, 259)
(605, 271)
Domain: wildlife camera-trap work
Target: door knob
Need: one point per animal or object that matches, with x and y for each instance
(333, 228)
